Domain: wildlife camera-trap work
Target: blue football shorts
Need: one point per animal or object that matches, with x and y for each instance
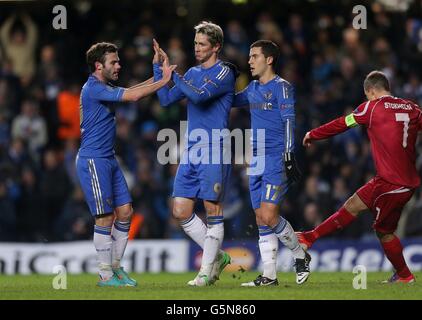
(203, 181)
(270, 183)
(103, 184)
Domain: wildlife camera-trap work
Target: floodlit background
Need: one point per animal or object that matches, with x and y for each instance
(42, 70)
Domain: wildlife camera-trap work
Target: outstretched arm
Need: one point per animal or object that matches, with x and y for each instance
(361, 115)
(148, 81)
(166, 95)
(330, 129)
(137, 92)
(213, 88)
(216, 86)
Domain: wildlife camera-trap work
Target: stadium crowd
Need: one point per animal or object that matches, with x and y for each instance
(42, 71)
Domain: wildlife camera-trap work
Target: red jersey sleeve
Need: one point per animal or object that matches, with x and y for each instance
(329, 129)
(362, 114)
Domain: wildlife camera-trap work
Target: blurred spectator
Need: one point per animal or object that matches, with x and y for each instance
(312, 216)
(55, 187)
(31, 127)
(177, 54)
(19, 42)
(236, 43)
(413, 89)
(4, 131)
(70, 152)
(48, 73)
(10, 91)
(31, 223)
(7, 215)
(75, 221)
(143, 41)
(68, 113)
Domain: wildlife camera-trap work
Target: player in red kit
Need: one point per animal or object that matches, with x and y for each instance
(392, 124)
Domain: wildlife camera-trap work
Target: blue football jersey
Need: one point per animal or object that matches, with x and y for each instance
(97, 118)
(210, 94)
(272, 108)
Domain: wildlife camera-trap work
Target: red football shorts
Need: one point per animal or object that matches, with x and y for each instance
(386, 202)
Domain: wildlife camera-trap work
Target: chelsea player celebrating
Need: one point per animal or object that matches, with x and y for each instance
(209, 89)
(101, 178)
(271, 102)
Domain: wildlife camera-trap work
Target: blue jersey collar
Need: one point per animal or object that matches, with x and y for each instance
(217, 62)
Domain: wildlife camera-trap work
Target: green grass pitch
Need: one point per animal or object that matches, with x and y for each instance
(166, 286)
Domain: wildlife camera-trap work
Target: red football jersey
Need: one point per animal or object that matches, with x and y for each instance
(392, 124)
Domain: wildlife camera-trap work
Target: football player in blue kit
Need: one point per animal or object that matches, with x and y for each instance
(209, 89)
(271, 102)
(100, 176)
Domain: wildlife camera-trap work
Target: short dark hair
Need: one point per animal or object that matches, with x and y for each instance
(97, 52)
(269, 49)
(213, 31)
(377, 80)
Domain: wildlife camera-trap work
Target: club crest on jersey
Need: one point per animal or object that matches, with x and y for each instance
(217, 188)
(268, 95)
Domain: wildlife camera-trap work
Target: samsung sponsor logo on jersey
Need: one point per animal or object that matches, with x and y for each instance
(261, 106)
(403, 106)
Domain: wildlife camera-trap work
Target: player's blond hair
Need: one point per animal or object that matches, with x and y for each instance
(213, 31)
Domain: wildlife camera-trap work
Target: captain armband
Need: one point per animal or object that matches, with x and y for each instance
(350, 121)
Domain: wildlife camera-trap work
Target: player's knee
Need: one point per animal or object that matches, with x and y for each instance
(105, 220)
(213, 208)
(214, 212)
(267, 218)
(124, 214)
(384, 237)
(180, 213)
(354, 205)
(259, 222)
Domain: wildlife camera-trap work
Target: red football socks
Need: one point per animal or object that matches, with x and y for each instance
(394, 252)
(335, 222)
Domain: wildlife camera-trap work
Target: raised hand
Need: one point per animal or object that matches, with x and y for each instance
(163, 54)
(307, 140)
(157, 56)
(167, 70)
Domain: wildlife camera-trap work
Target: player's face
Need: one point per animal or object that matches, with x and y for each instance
(370, 95)
(111, 68)
(203, 48)
(257, 62)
